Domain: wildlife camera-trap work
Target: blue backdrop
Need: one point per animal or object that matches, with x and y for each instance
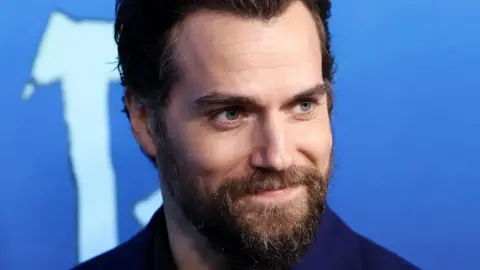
(73, 182)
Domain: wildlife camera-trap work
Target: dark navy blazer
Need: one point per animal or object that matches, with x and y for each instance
(337, 247)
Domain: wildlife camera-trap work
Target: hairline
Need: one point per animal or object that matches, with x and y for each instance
(173, 37)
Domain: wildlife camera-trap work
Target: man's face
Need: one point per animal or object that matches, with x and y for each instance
(248, 143)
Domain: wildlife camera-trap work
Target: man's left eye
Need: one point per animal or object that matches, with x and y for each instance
(229, 115)
(303, 107)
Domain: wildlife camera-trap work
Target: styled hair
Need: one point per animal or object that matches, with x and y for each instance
(144, 33)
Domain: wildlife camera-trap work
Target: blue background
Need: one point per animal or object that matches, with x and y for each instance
(406, 124)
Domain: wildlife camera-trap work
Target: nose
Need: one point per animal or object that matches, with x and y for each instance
(271, 151)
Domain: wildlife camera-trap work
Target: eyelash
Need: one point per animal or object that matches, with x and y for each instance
(214, 114)
(314, 101)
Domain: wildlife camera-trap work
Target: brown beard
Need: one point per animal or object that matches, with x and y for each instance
(249, 235)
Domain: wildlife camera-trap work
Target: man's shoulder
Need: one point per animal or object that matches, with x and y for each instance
(374, 256)
(148, 249)
(108, 260)
(130, 255)
(338, 247)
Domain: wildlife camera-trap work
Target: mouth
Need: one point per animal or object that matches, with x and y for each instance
(277, 195)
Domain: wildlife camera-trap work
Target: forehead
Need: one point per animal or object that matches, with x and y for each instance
(226, 53)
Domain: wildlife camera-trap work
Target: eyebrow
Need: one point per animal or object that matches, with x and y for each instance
(218, 99)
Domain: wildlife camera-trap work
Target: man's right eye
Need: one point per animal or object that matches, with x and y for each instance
(227, 118)
(230, 114)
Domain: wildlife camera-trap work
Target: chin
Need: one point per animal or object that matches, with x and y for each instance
(273, 218)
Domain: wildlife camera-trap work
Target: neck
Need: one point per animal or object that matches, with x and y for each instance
(190, 250)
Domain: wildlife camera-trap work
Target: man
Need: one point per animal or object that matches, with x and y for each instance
(231, 99)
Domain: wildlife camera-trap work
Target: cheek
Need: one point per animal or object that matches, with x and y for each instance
(209, 156)
(314, 143)
(214, 155)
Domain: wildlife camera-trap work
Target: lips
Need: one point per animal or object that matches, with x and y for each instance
(272, 189)
(276, 195)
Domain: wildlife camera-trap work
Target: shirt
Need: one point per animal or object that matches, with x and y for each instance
(336, 247)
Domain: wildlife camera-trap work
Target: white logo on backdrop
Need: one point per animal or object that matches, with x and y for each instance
(81, 56)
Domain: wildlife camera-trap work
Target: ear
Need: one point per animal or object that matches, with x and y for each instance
(139, 124)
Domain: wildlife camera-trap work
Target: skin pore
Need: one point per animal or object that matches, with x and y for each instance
(248, 136)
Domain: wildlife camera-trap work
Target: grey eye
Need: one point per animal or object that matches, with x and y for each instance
(229, 115)
(305, 106)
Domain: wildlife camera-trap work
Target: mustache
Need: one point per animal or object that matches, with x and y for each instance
(261, 181)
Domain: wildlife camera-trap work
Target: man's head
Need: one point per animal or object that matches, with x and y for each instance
(232, 100)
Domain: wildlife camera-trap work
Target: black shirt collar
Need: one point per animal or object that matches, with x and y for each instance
(335, 247)
(162, 255)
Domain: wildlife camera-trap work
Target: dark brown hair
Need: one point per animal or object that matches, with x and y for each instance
(143, 33)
